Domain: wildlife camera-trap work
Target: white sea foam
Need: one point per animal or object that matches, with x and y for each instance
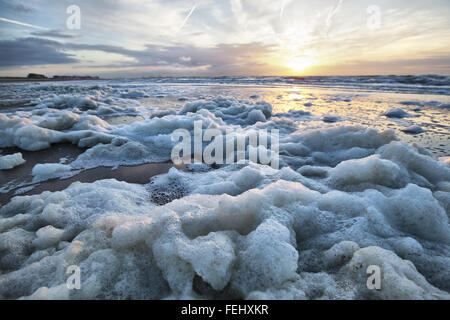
(10, 161)
(260, 233)
(344, 198)
(414, 129)
(257, 236)
(47, 171)
(396, 113)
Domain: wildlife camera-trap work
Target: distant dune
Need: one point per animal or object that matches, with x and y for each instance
(39, 77)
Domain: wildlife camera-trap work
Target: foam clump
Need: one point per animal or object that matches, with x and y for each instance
(333, 145)
(396, 113)
(35, 133)
(10, 161)
(368, 170)
(331, 118)
(400, 279)
(133, 94)
(414, 129)
(23, 133)
(115, 153)
(57, 120)
(421, 215)
(47, 237)
(295, 114)
(421, 167)
(65, 101)
(268, 258)
(50, 170)
(233, 111)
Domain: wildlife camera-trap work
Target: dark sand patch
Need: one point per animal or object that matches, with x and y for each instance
(140, 174)
(50, 155)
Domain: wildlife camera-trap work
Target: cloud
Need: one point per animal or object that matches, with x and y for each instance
(219, 58)
(18, 6)
(32, 51)
(55, 33)
(241, 36)
(22, 8)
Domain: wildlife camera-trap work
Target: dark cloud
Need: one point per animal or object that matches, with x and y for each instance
(54, 34)
(22, 8)
(32, 51)
(222, 57)
(17, 6)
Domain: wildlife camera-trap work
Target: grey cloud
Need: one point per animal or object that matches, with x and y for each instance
(54, 34)
(217, 57)
(18, 6)
(222, 58)
(32, 51)
(22, 8)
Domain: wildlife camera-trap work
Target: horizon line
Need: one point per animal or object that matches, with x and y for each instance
(229, 76)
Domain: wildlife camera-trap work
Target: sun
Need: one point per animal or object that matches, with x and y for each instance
(298, 64)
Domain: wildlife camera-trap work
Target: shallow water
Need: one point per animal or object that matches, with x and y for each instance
(354, 107)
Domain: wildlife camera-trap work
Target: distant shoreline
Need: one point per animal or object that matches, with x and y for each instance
(19, 79)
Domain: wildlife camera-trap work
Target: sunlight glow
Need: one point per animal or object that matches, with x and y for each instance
(298, 64)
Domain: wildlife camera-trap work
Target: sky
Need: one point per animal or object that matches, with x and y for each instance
(137, 38)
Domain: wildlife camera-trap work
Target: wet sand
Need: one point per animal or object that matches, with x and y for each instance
(140, 174)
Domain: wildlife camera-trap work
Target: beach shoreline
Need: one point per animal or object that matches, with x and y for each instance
(24, 79)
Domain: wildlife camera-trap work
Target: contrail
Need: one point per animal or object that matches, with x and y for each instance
(22, 24)
(187, 17)
(283, 3)
(333, 12)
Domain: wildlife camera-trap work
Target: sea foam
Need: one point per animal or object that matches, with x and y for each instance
(345, 197)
